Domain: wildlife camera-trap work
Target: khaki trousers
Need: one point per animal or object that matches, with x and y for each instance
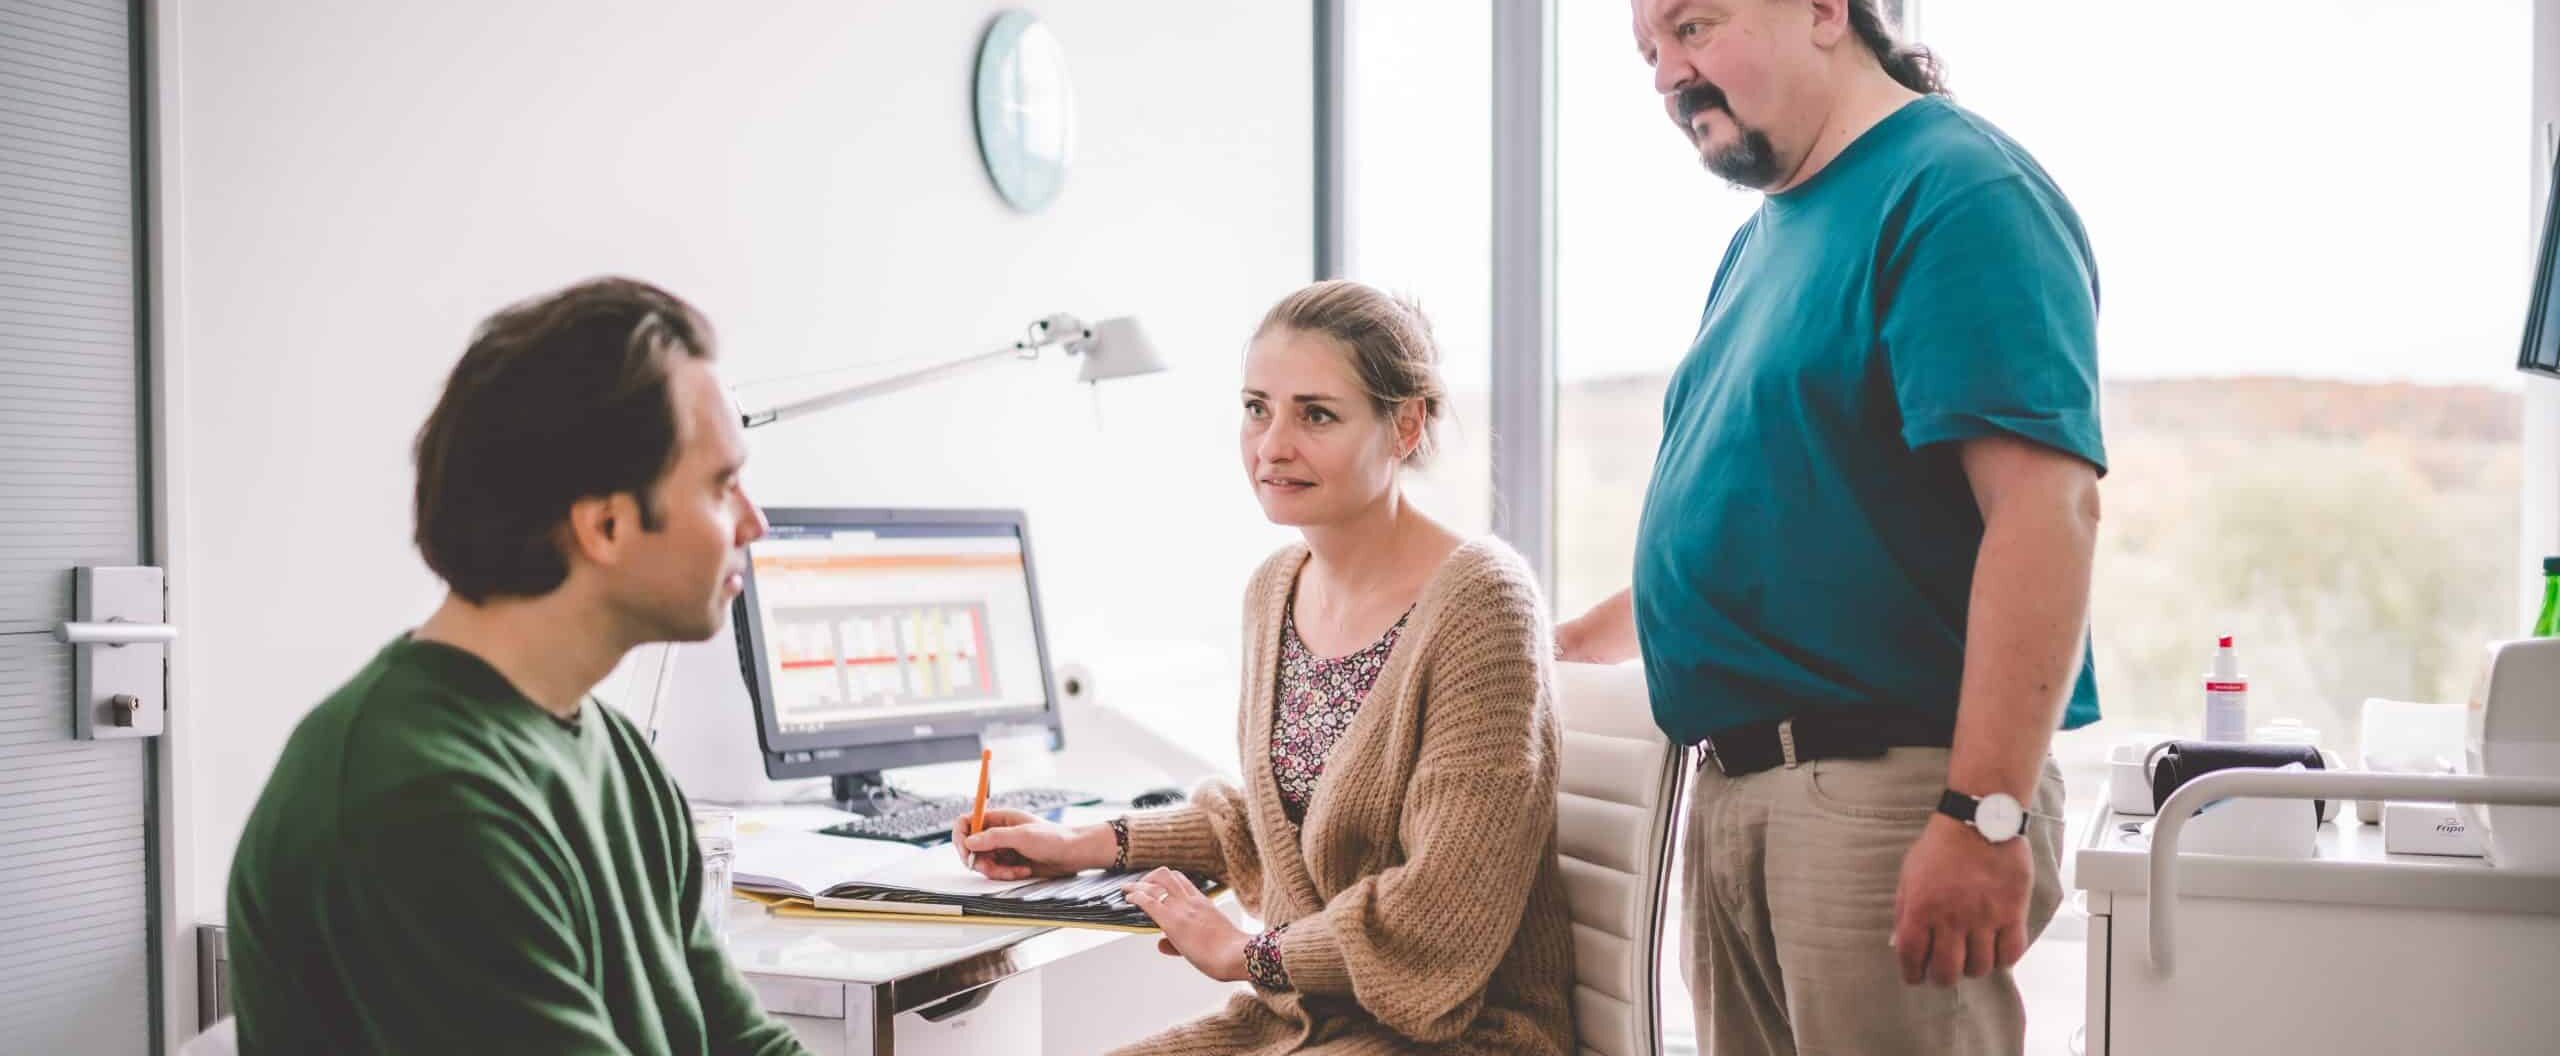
(1790, 880)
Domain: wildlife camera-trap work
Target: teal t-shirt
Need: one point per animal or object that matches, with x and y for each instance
(1808, 541)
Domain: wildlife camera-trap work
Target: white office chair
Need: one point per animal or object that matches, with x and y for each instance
(1615, 817)
(220, 1039)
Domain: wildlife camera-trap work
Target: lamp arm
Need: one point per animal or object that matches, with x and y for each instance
(1056, 329)
(883, 386)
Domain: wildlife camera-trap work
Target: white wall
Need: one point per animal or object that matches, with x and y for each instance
(347, 188)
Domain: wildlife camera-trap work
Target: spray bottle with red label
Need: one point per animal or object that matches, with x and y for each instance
(2226, 697)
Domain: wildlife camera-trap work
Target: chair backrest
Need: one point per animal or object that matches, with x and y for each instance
(1615, 815)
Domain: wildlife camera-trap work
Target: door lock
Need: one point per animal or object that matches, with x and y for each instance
(119, 652)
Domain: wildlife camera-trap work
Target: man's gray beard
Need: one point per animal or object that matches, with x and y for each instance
(1751, 163)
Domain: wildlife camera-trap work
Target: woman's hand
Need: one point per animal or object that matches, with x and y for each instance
(1193, 927)
(1018, 846)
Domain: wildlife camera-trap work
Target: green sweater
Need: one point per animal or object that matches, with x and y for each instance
(439, 865)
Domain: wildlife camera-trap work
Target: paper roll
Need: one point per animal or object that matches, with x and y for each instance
(1075, 684)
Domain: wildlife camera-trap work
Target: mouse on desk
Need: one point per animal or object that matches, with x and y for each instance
(1156, 797)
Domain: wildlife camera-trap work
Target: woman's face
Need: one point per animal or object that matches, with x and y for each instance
(1315, 450)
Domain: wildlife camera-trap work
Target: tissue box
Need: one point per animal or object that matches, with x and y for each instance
(2429, 828)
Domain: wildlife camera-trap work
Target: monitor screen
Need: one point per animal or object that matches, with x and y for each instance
(2542, 323)
(870, 627)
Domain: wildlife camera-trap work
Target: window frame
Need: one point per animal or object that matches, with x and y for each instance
(1522, 396)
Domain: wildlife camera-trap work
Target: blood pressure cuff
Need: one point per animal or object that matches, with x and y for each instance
(2174, 763)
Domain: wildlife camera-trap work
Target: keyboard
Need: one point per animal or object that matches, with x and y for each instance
(930, 822)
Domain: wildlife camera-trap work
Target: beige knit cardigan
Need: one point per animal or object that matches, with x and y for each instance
(1425, 908)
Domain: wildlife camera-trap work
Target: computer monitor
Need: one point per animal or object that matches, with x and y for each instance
(878, 639)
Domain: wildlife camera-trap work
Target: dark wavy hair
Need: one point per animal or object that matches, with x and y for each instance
(1914, 66)
(559, 398)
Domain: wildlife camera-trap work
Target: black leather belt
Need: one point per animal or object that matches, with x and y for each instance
(1757, 746)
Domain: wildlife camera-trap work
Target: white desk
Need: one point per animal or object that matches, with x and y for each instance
(893, 988)
(869, 988)
(879, 988)
(884, 988)
(2430, 954)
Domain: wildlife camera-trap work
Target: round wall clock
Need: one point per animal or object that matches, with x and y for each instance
(1026, 112)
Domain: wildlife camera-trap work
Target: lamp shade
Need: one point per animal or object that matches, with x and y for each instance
(1117, 349)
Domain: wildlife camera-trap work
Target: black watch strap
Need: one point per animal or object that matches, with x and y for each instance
(1957, 805)
(1965, 808)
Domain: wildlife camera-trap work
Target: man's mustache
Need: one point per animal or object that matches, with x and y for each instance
(1699, 98)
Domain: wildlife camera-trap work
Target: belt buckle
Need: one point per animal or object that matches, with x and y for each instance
(1787, 742)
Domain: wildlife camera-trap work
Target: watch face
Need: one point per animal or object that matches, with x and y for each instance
(1999, 817)
(1026, 112)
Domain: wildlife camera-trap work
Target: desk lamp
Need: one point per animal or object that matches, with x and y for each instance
(1112, 348)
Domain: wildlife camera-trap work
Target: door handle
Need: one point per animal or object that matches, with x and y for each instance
(120, 638)
(116, 633)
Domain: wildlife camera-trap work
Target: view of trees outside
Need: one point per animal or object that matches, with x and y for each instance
(2358, 537)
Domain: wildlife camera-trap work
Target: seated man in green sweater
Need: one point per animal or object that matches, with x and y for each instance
(460, 851)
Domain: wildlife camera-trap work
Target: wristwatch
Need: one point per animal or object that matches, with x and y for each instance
(1997, 816)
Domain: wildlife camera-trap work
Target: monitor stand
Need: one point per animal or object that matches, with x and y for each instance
(870, 795)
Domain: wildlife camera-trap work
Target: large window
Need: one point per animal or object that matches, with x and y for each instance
(1640, 226)
(2311, 288)
(2311, 284)
(2312, 235)
(1417, 160)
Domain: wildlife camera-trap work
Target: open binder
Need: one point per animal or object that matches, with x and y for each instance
(807, 874)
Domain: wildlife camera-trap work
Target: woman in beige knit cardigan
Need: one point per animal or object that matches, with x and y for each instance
(1396, 828)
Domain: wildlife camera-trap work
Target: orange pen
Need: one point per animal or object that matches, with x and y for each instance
(978, 813)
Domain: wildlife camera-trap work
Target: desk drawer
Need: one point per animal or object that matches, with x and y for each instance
(1007, 1021)
(834, 1019)
(783, 995)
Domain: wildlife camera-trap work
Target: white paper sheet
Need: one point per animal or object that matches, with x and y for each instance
(940, 871)
(805, 863)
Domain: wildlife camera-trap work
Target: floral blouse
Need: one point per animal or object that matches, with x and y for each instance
(1317, 699)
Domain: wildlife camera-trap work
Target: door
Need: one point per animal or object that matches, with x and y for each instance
(76, 857)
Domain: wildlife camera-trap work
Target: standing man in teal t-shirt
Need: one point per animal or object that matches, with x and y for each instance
(1862, 573)
(461, 851)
